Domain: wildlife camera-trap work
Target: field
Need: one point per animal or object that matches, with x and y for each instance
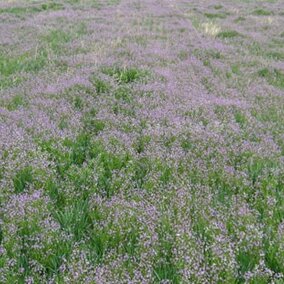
(142, 141)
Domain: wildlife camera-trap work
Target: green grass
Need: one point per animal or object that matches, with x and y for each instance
(113, 2)
(81, 151)
(228, 34)
(207, 54)
(124, 75)
(8, 82)
(123, 94)
(76, 219)
(259, 50)
(100, 85)
(275, 55)
(247, 261)
(218, 7)
(186, 144)
(20, 11)
(240, 118)
(239, 19)
(183, 55)
(55, 193)
(27, 62)
(274, 77)
(78, 102)
(166, 268)
(141, 143)
(113, 237)
(262, 12)
(22, 179)
(17, 102)
(236, 69)
(93, 125)
(52, 249)
(272, 114)
(78, 93)
(215, 15)
(56, 39)
(108, 163)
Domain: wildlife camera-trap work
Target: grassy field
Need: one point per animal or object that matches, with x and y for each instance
(142, 141)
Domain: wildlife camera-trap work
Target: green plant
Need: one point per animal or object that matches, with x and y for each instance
(262, 12)
(75, 219)
(17, 102)
(274, 77)
(100, 85)
(22, 178)
(228, 34)
(124, 75)
(215, 15)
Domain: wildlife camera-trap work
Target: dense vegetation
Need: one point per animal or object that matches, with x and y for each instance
(141, 141)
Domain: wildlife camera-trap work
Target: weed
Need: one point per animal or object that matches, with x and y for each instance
(93, 125)
(240, 118)
(218, 7)
(55, 39)
(141, 143)
(275, 55)
(262, 12)
(100, 85)
(215, 16)
(75, 219)
(22, 179)
(186, 144)
(239, 19)
(17, 102)
(21, 11)
(166, 269)
(78, 103)
(26, 62)
(228, 34)
(247, 261)
(124, 75)
(274, 77)
(123, 94)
